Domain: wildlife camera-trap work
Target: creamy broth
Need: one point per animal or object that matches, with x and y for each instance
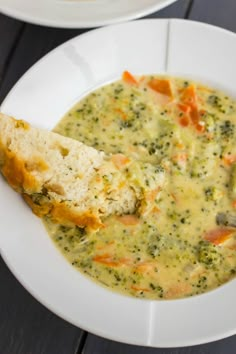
(177, 248)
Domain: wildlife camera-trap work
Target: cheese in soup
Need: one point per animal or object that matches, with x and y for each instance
(185, 243)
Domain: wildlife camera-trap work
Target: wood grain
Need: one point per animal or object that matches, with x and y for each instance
(178, 9)
(10, 30)
(97, 345)
(26, 327)
(216, 12)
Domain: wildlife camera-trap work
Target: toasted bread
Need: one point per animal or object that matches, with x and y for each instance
(64, 179)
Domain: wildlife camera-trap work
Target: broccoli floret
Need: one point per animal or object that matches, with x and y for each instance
(233, 182)
(208, 254)
(212, 194)
(227, 129)
(156, 243)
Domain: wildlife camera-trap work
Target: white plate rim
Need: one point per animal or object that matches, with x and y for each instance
(28, 17)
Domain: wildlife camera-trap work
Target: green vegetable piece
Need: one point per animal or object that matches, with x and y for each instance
(208, 254)
(233, 182)
(210, 121)
(212, 194)
(227, 129)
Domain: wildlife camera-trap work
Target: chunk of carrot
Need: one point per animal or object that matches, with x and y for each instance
(189, 98)
(174, 197)
(105, 245)
(139, 288)
(129, 78)
(155, 210)
(200, 126)
(180, 159)
(128, 219)
(184, 121)
(145, 267)
(162, 86)
(152, 194)
(121, 113)
(219, 235)
(178, 290)
(120, 160)
(184, 107)
(106, 259)
(234, 203)
(229, 159)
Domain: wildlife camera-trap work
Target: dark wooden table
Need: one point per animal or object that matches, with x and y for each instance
(26, 327)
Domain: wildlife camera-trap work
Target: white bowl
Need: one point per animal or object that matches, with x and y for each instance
(80, 13)
(42, 96)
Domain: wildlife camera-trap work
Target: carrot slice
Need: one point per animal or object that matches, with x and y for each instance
(219, 235)
(234, 203)
(128, 219)
(178, 290)
(184, 107)
(106, 259)
(161, 86)
(105, 245)
(189, 98)
(138, 288)
(180, 145)
(184, 121)
(229, 159)
(180, 159)
(155, 210)
(121, 113)
(200, 126)
(174, 197)
(152, 194)
(145, 267)
(120, 160)
(129, 78)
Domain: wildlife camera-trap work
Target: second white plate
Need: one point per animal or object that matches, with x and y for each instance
(80, 13)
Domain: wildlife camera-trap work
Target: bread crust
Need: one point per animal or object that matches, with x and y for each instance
(26, 176)
(62, 213)
(21, 180)
(17, 175)
(69, 182)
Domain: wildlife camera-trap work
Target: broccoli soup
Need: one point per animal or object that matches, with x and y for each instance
(184, 242)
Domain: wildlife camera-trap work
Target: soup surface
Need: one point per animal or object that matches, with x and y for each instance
(185, 243)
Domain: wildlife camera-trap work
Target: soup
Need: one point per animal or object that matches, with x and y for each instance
(185, 243)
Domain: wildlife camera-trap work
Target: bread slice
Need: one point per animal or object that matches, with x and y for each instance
(64, 179)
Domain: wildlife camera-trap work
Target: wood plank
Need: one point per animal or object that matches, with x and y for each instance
(178, 9)
(9, 33)
(97, 345)
(26, 327)
(217, 12)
